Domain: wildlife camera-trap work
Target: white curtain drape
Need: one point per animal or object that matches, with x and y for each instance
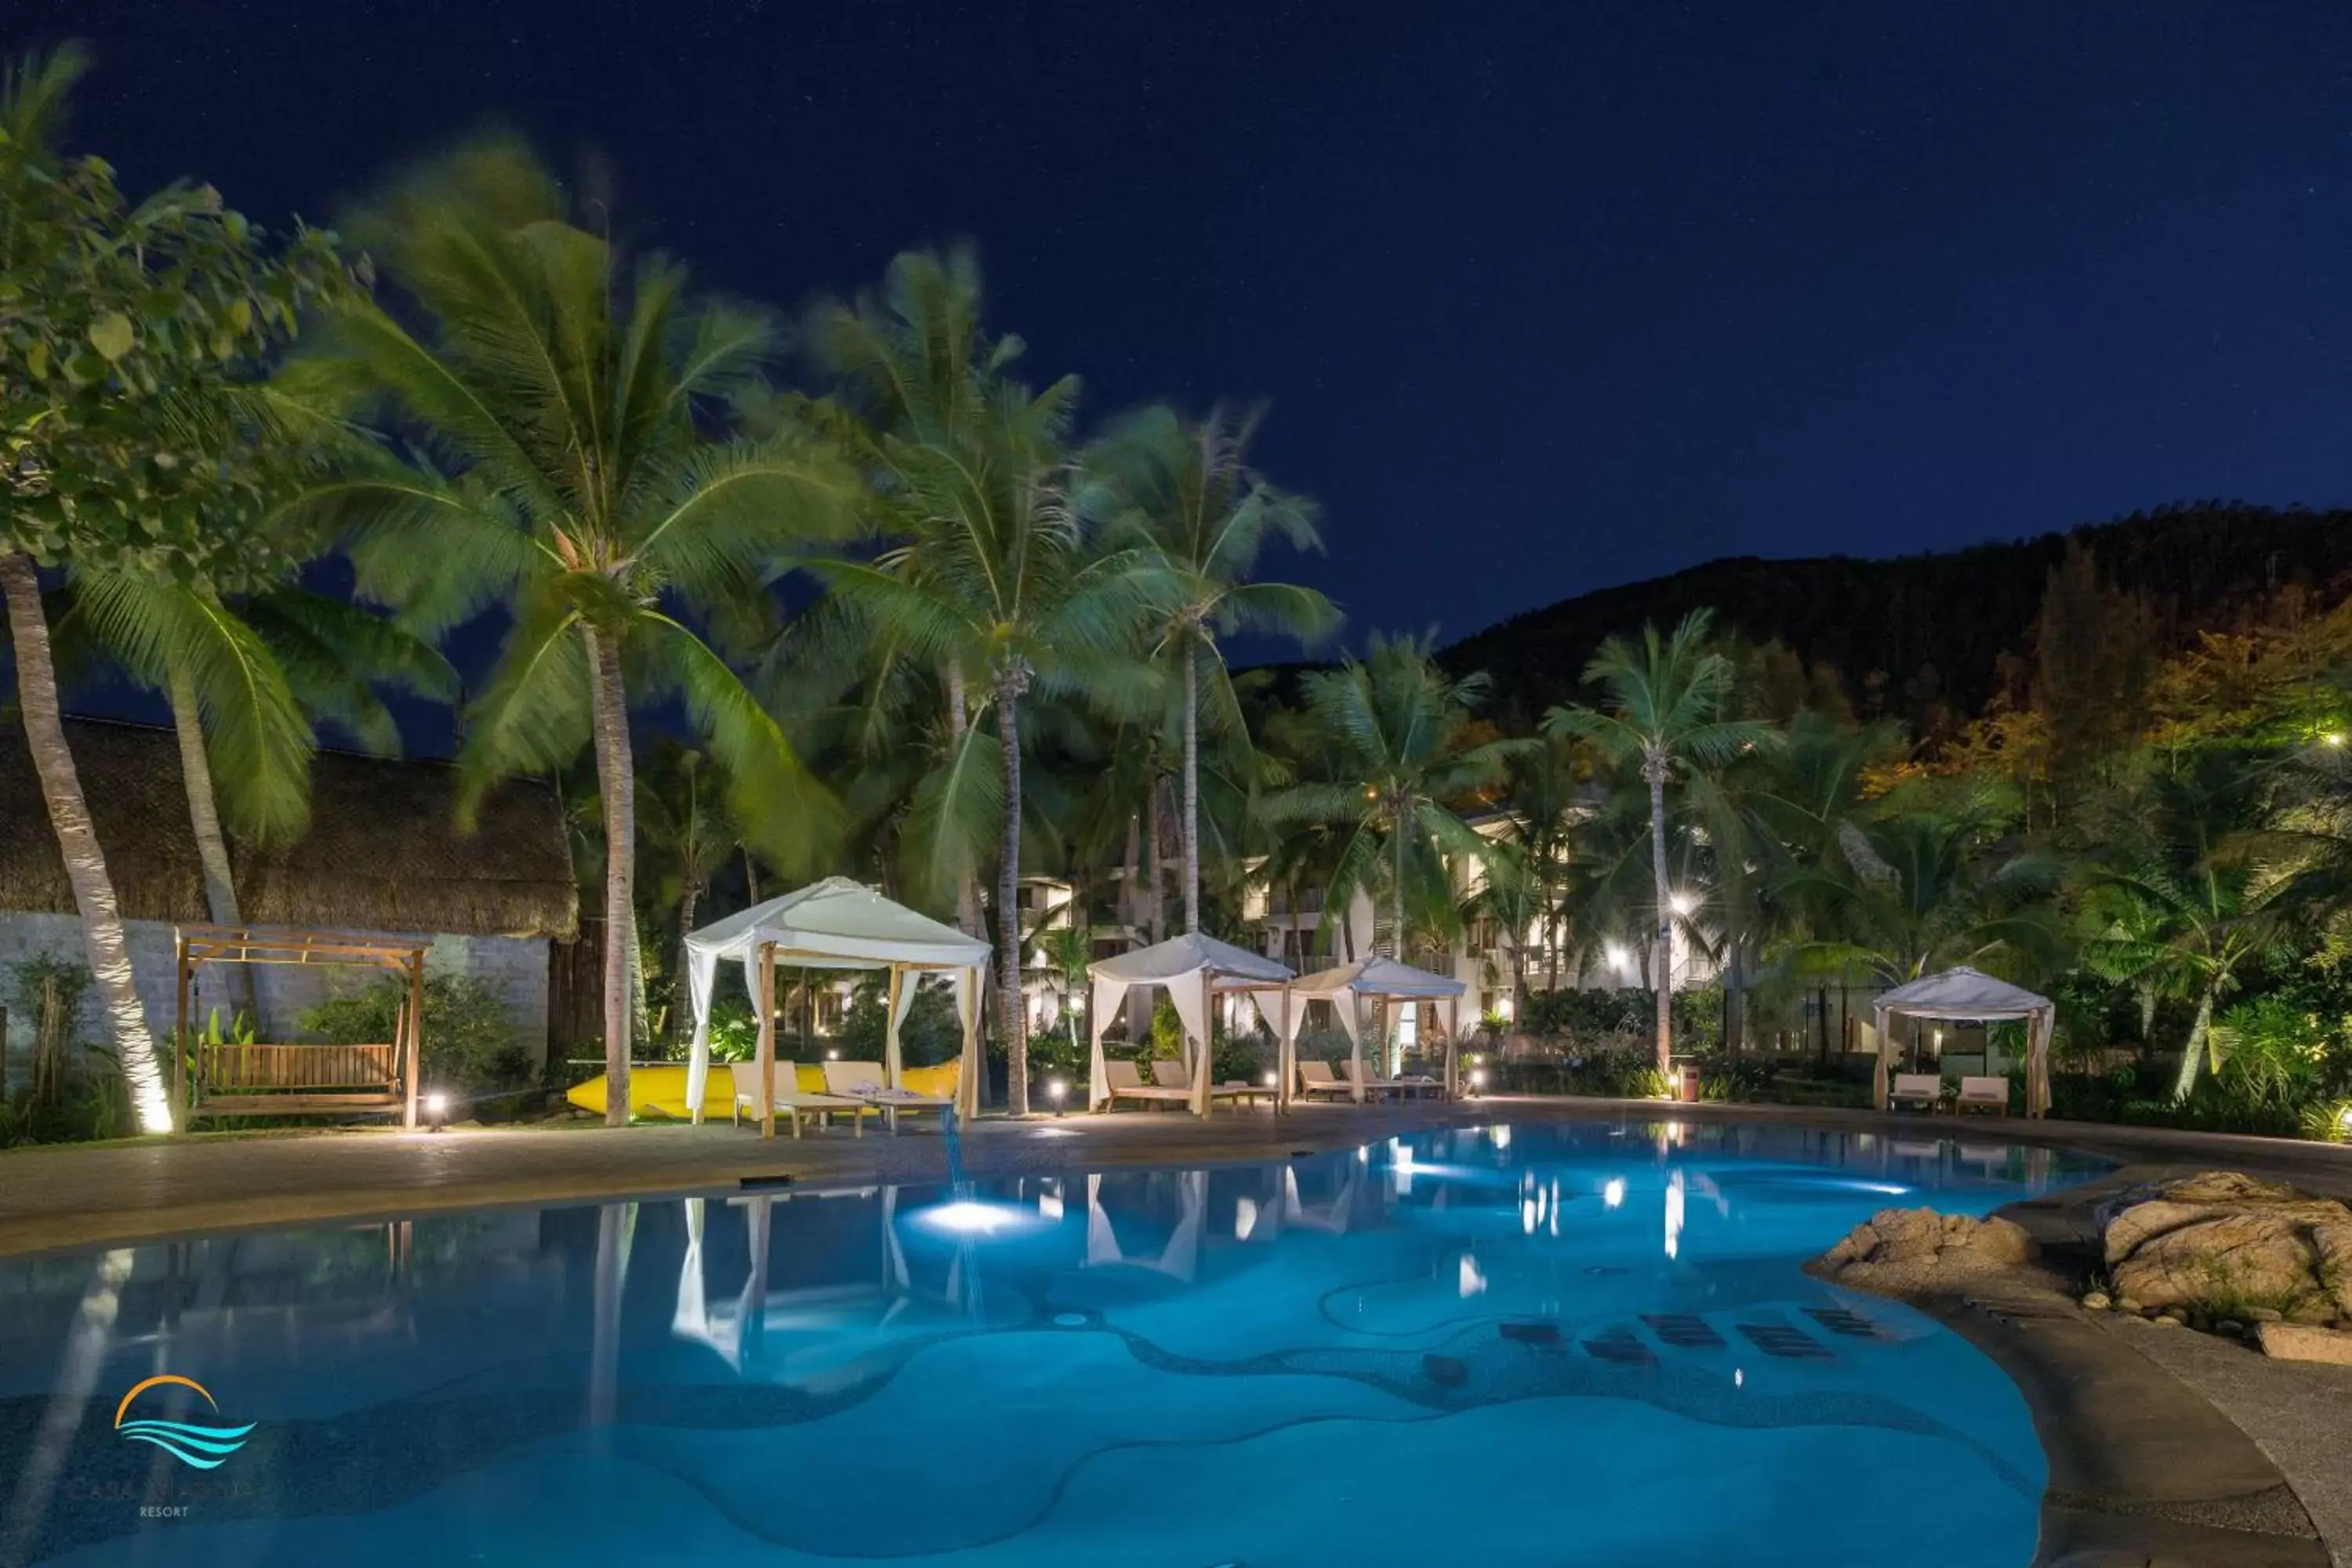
(968, 983)
(1283, 1013)
(1109, 995)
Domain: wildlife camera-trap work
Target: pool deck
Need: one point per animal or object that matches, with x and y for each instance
(2166, 1447)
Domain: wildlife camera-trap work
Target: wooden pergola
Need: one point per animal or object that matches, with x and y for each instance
(256, 1079)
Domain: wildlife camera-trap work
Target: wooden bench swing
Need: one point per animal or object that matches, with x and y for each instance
(230, 1078)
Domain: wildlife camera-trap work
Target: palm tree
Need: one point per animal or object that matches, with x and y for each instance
(244, 676)
(570, 394)
(681, 819)
(2185, 910)
(1189, 493)
(1401, 759)
(999, 579)
(1664, 709)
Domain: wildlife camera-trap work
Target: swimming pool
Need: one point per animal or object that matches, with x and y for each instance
(1561, 1343)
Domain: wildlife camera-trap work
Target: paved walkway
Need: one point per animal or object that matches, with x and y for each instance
(68, 1197)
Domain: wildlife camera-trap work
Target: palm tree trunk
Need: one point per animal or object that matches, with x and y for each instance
(102, 935)
(1192, 790)
(967, 880)
(1155, 913)
(1011, 1003)
(615, 780)
(2193, 1058)
(1396, 889)
(1662, 975)
(678, 990)
(211, 844)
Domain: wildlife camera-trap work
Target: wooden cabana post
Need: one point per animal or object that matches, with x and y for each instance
(298, 1079)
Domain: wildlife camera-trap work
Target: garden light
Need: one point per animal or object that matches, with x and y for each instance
(437, 1110)
(1055, 1091)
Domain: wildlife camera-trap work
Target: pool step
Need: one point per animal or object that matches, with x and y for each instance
(1684, 1330)
(1854, 1325)
(1787, 1342)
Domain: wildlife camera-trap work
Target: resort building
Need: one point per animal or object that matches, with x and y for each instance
(381, 854)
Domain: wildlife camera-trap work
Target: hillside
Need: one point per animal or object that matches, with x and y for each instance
(1933, 623)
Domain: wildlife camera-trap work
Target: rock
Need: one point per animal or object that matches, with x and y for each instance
(2253, 1256)
(2261, 1314)
(2294, 1341)
(2228, 1187)
(2128, 1232)
(2161, 1320)
(2229, 1326)
(2095, 1300)
(1909, 1249)
(2123, 1303)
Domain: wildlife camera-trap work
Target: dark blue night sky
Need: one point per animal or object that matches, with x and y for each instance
(1546, 297)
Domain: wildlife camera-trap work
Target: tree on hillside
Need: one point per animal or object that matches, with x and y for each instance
(128, 438)
(1187, 492)
(1666, 710)
(562, 398)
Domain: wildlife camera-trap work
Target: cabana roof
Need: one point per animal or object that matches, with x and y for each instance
(1227, 966)
(839, 923)
(1962, 992)
(1378, 976)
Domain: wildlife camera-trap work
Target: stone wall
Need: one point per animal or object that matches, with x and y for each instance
(515, 967)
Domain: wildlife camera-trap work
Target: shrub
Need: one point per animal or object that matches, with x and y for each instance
(931, 1035)
(469, 1033)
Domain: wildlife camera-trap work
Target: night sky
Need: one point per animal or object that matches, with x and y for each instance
(1545, 297)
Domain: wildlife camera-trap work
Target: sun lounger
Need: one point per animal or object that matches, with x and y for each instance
(1984, 1094)
(866, 1083)
(1916, 1089)
(1126, 1083)
(793, 1103)
(1412, 1085)
(1169, 1073)
(1315, 1077)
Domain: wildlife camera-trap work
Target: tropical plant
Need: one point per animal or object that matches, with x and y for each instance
(129, 437)
(1188, 493)
(684, 828)
(997, 581)
(1398, 760)
(470, 1042)
(565, 397)
(1667, 709)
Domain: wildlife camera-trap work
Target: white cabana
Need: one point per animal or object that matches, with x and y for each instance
(1971, 994)
(835, 924)
(1195, 969)
(1382, 980)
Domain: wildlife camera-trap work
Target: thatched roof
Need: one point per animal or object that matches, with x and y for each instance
(382, 852)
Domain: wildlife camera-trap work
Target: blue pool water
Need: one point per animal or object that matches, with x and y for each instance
(1559, 1344)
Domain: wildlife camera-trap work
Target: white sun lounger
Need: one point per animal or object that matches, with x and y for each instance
(1169, 1073)
(794, 1102)
(1915, 1088)
(1984, 1094)
(1315, 1077)
(866, 1083)
(1400, 1087)
(1126, 1083)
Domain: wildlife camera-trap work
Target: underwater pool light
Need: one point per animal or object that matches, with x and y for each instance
(966, 1217)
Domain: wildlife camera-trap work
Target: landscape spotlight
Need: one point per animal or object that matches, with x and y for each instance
(437, 1110)
(1055, 1091)
(1477, 1079)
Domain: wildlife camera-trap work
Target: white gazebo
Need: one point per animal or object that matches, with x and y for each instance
(1971, 994)
(1195, 969)
(835, 924)
(1381, 979)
